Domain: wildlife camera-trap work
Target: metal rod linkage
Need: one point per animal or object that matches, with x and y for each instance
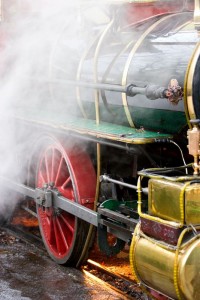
(130, 186)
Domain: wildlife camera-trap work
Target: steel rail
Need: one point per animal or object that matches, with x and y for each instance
(127, 286)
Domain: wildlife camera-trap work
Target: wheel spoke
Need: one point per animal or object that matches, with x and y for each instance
(62, 234)
(69, 226)
(51, 233)
(41, 178)
(66, 183)
(56, 233)
(47, 167)
(52, 165)
(59, 170)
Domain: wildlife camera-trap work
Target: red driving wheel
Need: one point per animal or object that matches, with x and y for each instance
(70, 171)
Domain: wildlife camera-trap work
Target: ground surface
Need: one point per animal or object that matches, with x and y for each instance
(27, 273)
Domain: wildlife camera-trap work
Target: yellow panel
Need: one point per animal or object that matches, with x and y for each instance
(192, 204)
(164, 199)
(174, 201)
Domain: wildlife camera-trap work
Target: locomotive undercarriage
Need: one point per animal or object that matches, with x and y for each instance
(68, 217)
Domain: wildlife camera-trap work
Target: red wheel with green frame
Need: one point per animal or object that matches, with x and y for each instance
(72, 172)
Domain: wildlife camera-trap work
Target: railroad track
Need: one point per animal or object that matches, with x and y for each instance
(123, 285)
(120, 283)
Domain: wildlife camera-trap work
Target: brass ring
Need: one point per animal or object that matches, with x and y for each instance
(188, 88)
(128, 62)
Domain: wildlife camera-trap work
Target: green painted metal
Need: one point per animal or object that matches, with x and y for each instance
(115, 205)
(111, 204)
(104, 130)
(165, 121)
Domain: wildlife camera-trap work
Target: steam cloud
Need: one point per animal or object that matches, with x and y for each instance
(40, 41)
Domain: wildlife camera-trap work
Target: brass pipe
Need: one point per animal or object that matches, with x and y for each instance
(197, 15)
(96, 55)
(151, 173)
(78, 76)
(176, 285)
(107, 72)
(181, 201)
(132, 253)
(91, 228)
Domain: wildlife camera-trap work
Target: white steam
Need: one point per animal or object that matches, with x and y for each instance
(41, 41)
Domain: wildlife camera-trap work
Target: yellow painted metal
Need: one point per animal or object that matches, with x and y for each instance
(189, 270)
(152, 217)
(173, 272)
(192, 204)
(164, 201)
(174, 201)
(154, 266)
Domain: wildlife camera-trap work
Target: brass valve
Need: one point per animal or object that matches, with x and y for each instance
(193, 144)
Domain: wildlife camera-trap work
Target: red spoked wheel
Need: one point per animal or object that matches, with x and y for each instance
(70, 170)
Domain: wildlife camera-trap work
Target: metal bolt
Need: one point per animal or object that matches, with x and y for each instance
(51, 184)
(57, 211)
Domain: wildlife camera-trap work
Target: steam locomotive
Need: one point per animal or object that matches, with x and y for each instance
(111, 140)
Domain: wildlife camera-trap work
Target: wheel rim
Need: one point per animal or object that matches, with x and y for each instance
(59, 228)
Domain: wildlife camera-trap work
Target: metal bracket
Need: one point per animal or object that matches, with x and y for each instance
(44, 197)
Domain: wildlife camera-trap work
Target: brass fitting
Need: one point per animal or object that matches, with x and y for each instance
(193, 144)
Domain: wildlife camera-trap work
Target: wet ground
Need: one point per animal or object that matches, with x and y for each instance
(27, 273)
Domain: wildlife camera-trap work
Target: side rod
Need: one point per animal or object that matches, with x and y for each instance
(49, 198)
